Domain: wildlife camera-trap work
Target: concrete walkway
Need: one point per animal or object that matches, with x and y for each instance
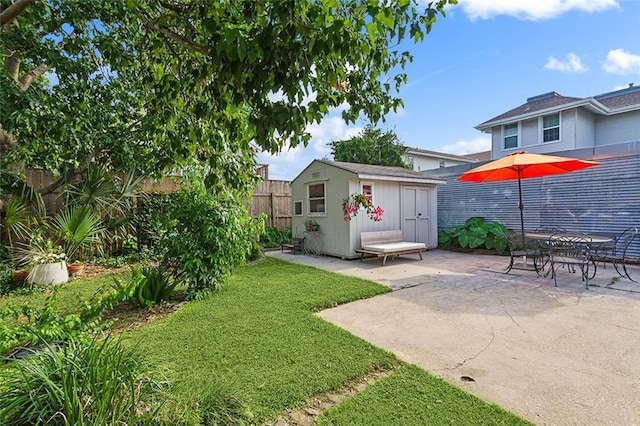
(555, 356)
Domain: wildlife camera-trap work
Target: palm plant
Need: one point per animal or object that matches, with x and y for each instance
(109, 196)
(79, 228)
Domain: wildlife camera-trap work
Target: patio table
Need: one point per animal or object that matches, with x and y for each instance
(548, 237)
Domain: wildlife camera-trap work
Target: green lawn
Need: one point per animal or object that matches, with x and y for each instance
(256, 347)
(414, 397)
(69, 294)
(258, 339)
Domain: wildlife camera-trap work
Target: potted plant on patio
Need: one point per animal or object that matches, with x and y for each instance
(311, 225)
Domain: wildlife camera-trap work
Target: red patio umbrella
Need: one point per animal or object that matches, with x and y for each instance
(522, 165)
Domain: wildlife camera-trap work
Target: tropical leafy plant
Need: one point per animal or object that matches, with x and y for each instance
(273, 237)
(95, 382)
(475, 233)
(80, 229)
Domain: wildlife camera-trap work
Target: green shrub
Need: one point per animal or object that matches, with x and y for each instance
(475, 233)
(82, 383)
(150, 219)
(273, 237)
(206, 236)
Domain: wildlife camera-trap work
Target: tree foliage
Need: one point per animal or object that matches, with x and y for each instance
(371, 146)
(160, 83)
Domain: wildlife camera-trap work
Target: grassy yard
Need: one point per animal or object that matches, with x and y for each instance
(256, 347)
(258, 340)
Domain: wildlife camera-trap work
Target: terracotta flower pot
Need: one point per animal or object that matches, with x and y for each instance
(20, 275)
(75, 268)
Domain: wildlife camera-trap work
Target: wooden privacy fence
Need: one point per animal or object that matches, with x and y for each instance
(272, 198)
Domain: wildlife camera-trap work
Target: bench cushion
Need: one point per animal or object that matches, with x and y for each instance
(394, 247)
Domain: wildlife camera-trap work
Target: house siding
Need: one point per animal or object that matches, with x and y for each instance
(617, 128)
(585, 128)
(496, 142)
(529, 132)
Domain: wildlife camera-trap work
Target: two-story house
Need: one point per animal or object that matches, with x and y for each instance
(422, 159)
(551, 123)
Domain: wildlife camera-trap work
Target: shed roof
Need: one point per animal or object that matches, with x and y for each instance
(373, 172)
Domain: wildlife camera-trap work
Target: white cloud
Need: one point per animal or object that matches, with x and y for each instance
(572, 65)
(479, 144)
(531, 10)
(621, 62)
(291, 161)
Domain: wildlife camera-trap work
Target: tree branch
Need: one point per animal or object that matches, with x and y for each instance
(11, 64)
(9, 14)
(178, 38)
(28, 78)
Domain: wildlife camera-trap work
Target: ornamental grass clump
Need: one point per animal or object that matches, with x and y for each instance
(98, 382)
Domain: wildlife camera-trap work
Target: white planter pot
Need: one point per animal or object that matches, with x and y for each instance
(49, 273)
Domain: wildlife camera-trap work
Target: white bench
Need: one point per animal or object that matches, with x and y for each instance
(387, 244)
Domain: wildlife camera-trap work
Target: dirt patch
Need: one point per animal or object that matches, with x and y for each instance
(127, 317)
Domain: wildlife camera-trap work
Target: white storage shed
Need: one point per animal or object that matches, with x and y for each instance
(409, 199)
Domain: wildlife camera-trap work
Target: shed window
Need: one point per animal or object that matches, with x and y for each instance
(510, 132)
(367, 191)
(551, 128)
(297, 208)
(317, 198)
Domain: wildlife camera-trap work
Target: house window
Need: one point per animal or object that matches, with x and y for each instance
(510, 132)
(297, 208)
(316, 198)
(441, 164)
(551, 128)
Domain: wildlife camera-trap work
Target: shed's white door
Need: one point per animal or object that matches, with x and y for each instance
(415, 214)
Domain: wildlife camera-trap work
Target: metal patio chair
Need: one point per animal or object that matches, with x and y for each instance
(296, 243)
(544, 244)
(529, 249)
(616, 252)
(572, 251)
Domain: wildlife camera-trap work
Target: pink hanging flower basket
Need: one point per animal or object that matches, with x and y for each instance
(351, 206)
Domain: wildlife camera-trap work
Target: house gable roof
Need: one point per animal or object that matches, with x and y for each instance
(373, 172)
(441, 155)
(549, 103)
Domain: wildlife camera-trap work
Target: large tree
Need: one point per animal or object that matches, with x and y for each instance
(158, 83)
(371, 146)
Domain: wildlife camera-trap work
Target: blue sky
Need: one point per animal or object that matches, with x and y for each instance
(487, 57)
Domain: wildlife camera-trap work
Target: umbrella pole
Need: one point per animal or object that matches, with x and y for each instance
(521, 207)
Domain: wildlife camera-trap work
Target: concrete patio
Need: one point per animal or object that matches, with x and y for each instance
(554, 355)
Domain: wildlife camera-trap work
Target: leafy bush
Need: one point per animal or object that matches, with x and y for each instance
(150, 219)
(206, 236)
(82, 383)
(475, 233)
(273, 237)
(7, 280)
